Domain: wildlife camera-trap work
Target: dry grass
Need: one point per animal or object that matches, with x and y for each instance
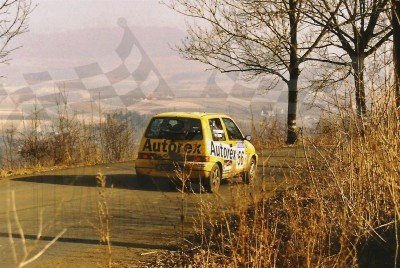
(340, 210)
(267, 133)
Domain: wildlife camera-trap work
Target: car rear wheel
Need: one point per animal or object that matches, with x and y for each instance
(143, 180)
(175, 184)
(250, 174)
(214, 180)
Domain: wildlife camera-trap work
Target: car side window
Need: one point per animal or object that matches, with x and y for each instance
(232, 129)
(217, 131)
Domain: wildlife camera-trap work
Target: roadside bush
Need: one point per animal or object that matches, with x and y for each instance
(267, 133)
(88, 141)
(68, 141)
(7, 153)
(34, 149)
(117, 139)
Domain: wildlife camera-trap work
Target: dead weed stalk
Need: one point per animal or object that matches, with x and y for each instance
(103, 215)
(27, 257)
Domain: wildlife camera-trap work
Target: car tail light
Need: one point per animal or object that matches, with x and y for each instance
(145, 156)
(201, 158)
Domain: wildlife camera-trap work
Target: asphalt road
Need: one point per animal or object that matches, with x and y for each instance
(147, 218)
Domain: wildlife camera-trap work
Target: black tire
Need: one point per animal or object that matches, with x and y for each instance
(143, 181)
(250, 174)
(213, 182)
(175, 184)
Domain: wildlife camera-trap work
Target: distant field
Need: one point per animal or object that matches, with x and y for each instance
(239, 108)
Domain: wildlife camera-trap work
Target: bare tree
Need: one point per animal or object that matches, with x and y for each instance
(13, 22)
(358, 28)
(255, 38)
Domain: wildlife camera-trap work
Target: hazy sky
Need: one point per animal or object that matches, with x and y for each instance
(63, 15)
(57, 21)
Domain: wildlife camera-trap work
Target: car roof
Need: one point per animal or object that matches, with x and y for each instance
(190, 115)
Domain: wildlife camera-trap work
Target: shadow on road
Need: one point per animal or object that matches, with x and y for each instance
(92, 241)
(119, 181)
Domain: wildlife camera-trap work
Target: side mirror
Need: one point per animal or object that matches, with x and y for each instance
(248, 138)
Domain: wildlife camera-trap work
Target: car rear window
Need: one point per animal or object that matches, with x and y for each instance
(173, 128)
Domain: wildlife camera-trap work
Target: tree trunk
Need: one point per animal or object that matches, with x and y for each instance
(292, 107)
(396, 48)
(358, 67)
(294, 75)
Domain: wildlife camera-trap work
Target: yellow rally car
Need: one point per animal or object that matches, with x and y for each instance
(200, 147)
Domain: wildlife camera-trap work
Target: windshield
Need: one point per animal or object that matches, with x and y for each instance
(173, 128)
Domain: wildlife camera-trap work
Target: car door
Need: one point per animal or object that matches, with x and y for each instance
(221, 147)
(235, 139)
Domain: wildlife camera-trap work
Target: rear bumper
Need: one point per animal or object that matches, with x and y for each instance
(165, 169)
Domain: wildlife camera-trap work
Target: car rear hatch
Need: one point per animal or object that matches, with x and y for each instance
(172, 141)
